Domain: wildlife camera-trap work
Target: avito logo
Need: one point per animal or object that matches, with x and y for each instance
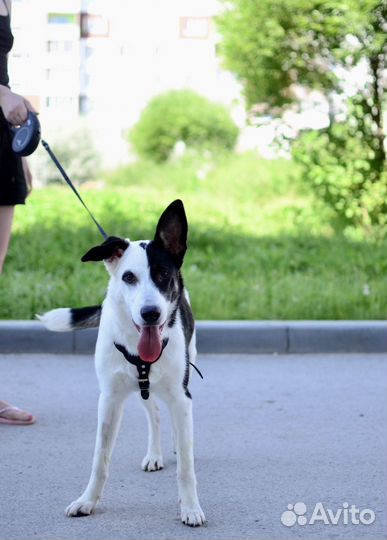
(346, 514)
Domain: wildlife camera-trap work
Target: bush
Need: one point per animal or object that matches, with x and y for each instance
(182, 115)
(339, 164)
(77, 154)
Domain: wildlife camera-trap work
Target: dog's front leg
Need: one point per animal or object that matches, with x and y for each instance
(110, 409)
(181, 414)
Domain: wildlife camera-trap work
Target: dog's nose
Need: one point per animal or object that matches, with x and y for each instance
(150, 314)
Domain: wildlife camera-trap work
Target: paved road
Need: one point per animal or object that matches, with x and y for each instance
(270, 431)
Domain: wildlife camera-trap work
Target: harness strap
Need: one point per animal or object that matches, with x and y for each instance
(143, 368)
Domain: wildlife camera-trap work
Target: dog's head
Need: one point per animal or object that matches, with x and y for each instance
(145, 277)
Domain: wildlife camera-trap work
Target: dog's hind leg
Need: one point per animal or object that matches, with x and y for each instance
(110, 409)
(153, 461)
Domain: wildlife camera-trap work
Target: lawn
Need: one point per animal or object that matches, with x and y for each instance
(260, 245)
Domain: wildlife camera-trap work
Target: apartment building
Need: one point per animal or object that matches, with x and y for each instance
(103, 61)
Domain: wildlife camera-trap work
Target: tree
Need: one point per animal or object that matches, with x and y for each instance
(372, 36)
(273, 46)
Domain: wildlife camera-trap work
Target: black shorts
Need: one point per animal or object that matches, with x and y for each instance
(13, 186)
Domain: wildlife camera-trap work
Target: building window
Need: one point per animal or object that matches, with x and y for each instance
(195, 27)
(52, 46)
(55, 46)
(54, 102)
(85, 105)
(94, 25)
(89, 51)
(62, 18)
(59, 75)
(67, 46)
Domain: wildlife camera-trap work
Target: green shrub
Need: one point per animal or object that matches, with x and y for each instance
(77, 153)
(182, 115)
(339, 164)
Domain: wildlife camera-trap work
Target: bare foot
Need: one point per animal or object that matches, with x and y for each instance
(14, 416)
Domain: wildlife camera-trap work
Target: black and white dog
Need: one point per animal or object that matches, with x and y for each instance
(146, 341)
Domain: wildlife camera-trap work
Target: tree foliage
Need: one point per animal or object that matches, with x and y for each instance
(272, 46)
(339, 164)
(275, 47)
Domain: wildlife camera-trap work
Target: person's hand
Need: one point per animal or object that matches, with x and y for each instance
(27, 175)
(15, 107)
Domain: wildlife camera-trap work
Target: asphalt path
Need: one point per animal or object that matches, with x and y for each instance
(270, 431)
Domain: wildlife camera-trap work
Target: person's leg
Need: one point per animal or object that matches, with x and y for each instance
(9, 413)
(6, 218)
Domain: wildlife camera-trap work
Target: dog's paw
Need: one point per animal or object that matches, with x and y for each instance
(193, 517)
(80, 507)
(152, 462)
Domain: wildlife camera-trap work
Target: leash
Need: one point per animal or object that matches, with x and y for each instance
(25, 140)
(71, 185)
(197, 369)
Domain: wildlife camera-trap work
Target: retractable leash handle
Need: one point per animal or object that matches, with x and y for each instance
(71, 185)
(27, 136)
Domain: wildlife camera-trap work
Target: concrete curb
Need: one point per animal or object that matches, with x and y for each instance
(218, 337)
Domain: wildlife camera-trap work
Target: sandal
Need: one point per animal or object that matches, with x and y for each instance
(15, 421)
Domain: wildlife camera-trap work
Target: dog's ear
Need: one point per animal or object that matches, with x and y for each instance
(171, 231)
(111, 249)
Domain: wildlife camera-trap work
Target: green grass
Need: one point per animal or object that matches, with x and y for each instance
(261, 247)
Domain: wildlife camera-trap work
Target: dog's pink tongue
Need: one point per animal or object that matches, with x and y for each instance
(149, 346)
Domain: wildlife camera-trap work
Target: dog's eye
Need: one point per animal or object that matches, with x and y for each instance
(129, 277)
(162, 274)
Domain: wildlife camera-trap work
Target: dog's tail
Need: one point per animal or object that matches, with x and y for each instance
(66, 319)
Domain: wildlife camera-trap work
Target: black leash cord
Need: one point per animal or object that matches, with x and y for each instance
(197, 369)
(69, 182)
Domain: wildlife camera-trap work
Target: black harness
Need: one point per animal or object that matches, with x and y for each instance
(143, 368)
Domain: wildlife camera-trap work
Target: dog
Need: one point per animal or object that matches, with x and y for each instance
(146, 343)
